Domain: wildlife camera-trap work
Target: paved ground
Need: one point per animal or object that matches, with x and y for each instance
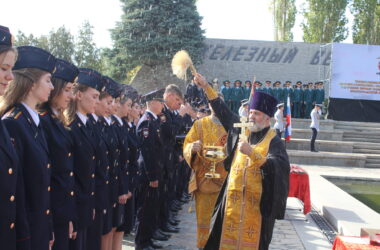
(286, 233)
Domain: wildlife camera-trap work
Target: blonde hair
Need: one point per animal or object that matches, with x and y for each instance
(19, 87)
(71, 110)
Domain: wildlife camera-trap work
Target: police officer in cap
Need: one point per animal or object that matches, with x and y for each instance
(150, 160)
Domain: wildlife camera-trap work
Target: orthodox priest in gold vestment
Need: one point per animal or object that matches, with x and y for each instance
(207, 131)
(255, 192)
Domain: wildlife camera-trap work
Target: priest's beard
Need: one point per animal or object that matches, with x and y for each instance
(257, 127)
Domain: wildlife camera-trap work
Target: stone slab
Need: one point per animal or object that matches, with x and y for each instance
(321, 145)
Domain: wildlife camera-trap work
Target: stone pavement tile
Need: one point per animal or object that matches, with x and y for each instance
(284, 236)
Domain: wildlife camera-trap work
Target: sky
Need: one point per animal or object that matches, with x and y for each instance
(229, 19)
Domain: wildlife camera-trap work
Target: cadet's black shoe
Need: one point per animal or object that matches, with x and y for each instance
(156, 246)
(144, 248)
(170, 229)
(173, 223)
(160, 237)
(160, 232)
(313, 150)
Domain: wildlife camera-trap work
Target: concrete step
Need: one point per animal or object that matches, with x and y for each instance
(360, 139)
(321, 145)
(336, 135)
(358, 124)
(372, 165)
(356, 128)
(327, 158)
(366, 151)
(367, 145)
(305, 124)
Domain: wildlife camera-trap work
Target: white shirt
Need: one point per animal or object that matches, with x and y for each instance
(314, 119)
(108, 120)
(82, 117)
(33, 114)
(119, 119)
(243, 112)
(279, 117)
(96, 118)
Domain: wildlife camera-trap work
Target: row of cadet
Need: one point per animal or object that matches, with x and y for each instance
(302, 96)
(78, 162)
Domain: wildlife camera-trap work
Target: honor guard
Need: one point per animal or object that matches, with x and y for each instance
(31, 86)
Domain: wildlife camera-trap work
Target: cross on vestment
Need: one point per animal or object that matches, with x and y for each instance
(244, 134)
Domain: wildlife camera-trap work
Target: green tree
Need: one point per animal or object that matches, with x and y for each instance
(23, 39)
(86, 53)
(325, 21)
(366, 28)
(151, 32)
(284, 17)
(61, 44)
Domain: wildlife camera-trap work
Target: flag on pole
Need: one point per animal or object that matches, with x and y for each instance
(288, 126)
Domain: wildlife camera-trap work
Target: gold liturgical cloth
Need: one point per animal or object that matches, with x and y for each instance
(242, 216)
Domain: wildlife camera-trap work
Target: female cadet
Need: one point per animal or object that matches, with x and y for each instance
(123, 107)
(61, 155)
(86, 96)
(103, 219)
(132, 168)
(31, 86)
(118, 189)
(8, 157)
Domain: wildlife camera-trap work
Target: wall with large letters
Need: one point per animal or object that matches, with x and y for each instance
(242, 59)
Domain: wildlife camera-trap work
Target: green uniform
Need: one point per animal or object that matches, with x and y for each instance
(227, 95)
(268, 90)
(247, 93)
(308, 98)
(297, 102)
(237, 96)
(319, 96)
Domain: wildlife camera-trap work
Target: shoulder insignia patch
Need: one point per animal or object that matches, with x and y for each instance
(18, 115)
(43, 113)
(145, 132)
(163, 118)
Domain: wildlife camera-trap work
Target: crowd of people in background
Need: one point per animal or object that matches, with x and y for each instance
(303, 97)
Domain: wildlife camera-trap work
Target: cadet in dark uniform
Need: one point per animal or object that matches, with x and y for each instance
(61, 153)
(86, 92)
(8, 157)
(297, 99)
(31, 86)
(150, 161)
(227, 93)
(132, 171)
(237, 96)
(267, 88)
(247, 89)
(319, 93)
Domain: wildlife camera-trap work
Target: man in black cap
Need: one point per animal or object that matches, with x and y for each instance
(151, 166)
(263, 164)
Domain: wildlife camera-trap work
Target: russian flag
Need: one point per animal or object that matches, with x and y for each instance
(288, 126)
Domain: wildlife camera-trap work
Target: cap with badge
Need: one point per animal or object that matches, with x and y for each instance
(280, 105)
(5, 36)
(65, 71)
(91, 78)
(155, 95)
(244, 102)
(33, 57)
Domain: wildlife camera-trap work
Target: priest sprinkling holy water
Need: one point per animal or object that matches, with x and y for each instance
(255, 191)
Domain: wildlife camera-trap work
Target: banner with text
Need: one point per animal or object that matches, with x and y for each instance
(355, 72)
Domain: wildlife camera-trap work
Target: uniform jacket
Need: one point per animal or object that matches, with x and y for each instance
(35, 169)
(151, 155)
(62, 195)
(84, 170)
(279, 117)
(8, 191)
(134, 150)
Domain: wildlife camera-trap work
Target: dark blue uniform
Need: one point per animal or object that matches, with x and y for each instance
(84, 172)
(8, 193)
(32, 151)
(62, 178)
(150, 164)
(132, 176)
(103, 218)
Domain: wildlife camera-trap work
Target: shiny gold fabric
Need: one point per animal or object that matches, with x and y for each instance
(242, 217)
(209, 133)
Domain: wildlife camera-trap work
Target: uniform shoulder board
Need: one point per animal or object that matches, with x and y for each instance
(145, 132)
(43, 113)
(17, 115)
